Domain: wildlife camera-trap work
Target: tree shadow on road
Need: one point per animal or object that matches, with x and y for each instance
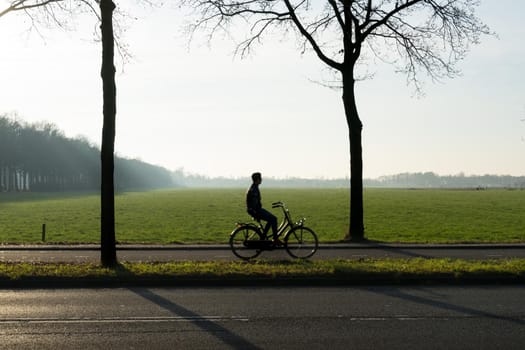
(233, 340)
(392, 250)
(469, 311)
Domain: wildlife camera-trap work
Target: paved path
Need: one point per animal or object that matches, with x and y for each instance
(363, 317)
(133, 253)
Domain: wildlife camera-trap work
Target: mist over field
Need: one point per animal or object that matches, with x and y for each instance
(405, 180)
(38, 157)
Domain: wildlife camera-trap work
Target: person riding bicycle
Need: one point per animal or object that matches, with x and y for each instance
(255, 209)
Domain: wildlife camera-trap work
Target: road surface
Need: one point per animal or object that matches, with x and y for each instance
(473, 317)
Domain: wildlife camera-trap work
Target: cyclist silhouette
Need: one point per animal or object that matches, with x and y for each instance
(255, 209)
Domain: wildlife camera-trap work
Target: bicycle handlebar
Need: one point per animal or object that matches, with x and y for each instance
(277, 204)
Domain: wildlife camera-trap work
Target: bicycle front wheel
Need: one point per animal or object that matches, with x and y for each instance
(240, 240)
(301, 242)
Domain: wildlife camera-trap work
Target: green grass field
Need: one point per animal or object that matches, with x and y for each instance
(209, 215)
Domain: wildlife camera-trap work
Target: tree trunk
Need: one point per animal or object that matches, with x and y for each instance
(108, 252)
(356, 232)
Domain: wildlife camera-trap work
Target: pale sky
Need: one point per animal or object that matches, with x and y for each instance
(210, 113)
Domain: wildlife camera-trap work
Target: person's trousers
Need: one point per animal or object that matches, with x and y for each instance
(271, 221)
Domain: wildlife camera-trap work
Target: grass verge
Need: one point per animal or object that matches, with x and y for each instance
(330, 272)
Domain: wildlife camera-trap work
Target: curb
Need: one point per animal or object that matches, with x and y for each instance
(147, 247)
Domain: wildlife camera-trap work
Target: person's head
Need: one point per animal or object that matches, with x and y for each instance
(256, 178)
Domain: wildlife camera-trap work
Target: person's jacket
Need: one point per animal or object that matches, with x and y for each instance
(253, 200)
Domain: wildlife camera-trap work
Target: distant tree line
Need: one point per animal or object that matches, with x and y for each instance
(38, 157)
(404, 180)
(432, 180)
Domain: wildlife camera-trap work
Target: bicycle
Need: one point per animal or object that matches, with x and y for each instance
(248, 240)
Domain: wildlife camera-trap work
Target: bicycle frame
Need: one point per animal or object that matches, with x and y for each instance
(285, 225)
(287, 222)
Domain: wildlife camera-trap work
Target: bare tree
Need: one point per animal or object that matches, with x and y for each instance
(108, 251)
(416, 36)
(57, 11)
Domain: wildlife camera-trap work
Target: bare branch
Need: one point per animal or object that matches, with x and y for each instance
(337, 13)
(374, 24)
(433, 43)
(428, 36)
(263, 16)
(318, 50)
(61, 13)
(22, 5)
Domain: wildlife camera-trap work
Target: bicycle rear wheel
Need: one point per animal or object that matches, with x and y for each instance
(240, 242)
(301, 242)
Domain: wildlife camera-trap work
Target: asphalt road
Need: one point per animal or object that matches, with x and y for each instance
(474, 317)
(222, 252)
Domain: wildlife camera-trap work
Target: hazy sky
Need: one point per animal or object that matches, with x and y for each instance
(210, 113)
